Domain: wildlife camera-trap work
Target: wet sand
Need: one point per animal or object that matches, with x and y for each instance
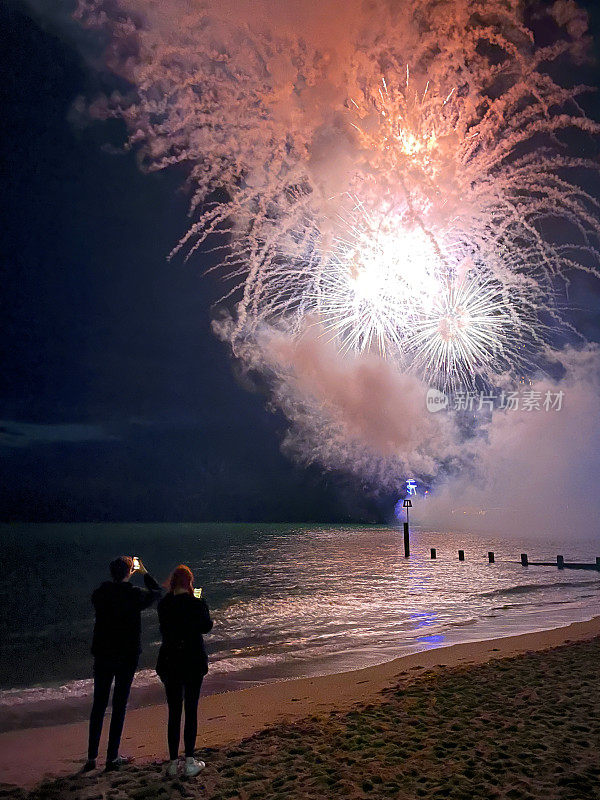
(506, 718)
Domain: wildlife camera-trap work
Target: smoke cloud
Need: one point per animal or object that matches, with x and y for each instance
(535, 471)
(357, 414)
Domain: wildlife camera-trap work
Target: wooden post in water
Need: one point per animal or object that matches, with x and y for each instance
(490, 557)
(406, 541)
(560, 562)
(433, 552)
(461, 555)
(524, 560)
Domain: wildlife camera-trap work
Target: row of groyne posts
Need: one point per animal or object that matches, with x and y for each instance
(525, 562)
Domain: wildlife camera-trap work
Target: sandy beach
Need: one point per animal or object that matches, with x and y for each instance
(437, 718)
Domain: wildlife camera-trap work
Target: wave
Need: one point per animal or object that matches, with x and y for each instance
(463, 623)
(547, 604)
(527, 588)
(40, 706)
(69, 691)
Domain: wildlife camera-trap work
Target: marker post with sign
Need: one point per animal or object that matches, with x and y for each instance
(406, 504)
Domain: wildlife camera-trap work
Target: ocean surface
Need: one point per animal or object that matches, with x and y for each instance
(287, 601)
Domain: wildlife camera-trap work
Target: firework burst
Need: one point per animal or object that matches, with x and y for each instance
(410, 187)
(468, 332)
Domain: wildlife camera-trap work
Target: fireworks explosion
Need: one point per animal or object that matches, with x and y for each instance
(399, 182)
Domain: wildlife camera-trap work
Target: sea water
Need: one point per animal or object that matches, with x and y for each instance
(287, 600)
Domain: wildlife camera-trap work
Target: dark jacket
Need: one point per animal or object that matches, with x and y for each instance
(118, 622)
(182, 656)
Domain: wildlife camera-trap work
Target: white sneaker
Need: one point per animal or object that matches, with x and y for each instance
(118, 762)
(172, 769)
(193, 767)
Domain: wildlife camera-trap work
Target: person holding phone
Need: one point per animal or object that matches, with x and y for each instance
(184, 618)
(116, 648)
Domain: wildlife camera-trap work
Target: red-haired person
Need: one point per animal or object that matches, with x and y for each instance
(116, 650)
(183, 663)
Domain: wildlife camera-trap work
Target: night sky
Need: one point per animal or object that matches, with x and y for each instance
(116, 400)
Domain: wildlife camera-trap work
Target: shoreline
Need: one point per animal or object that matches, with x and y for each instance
(53, 711)
(27, 756)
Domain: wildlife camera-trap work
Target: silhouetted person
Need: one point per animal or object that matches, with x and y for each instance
(182, 663)
(116, 648)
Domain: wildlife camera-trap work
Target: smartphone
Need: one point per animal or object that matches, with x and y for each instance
(198, 593)
(136, 563)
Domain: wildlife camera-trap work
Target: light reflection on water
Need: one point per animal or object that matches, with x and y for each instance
(290, 600)
(323, 600)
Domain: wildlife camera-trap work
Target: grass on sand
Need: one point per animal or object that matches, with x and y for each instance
(524, 727)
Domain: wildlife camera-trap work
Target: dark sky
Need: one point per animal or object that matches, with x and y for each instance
(116, 401)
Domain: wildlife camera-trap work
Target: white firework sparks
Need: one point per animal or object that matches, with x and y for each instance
(394, 292)
(468, 332)
(372, 288)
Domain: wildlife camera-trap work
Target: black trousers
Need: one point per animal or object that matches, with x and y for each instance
(180, 693)
(106, 669)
